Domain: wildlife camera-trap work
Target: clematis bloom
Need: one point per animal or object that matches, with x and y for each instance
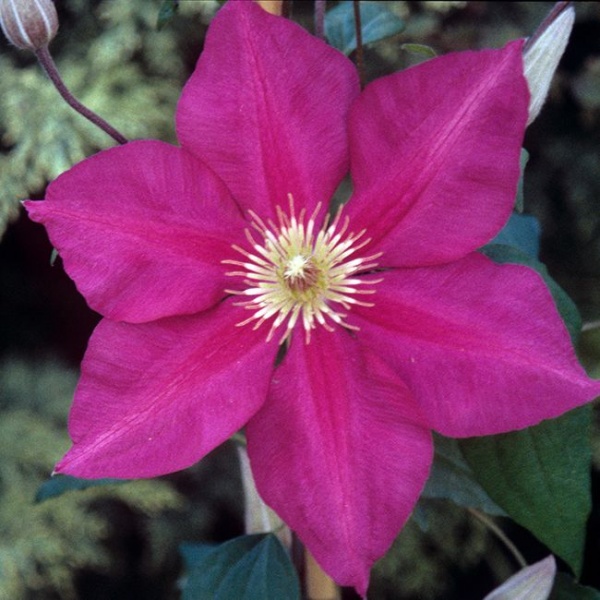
(205, 259)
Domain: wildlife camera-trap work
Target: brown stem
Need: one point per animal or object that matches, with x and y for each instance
(48, 64)
(319, 586)
(320, 19)
(360, 59)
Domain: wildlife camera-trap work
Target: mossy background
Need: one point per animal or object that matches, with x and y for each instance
(121, 541)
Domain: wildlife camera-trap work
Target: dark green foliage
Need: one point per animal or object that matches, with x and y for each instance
(567, 589)
(541, 477)
(252, 567)
(452, 479)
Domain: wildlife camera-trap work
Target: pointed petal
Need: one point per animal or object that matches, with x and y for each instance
(480, 345)
(267, 107)
(435, 155)
(142, 230)
(156, 397)
(339, 452)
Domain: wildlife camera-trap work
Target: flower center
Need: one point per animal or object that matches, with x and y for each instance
(294, 275)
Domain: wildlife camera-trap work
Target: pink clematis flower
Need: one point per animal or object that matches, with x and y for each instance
(204, 259)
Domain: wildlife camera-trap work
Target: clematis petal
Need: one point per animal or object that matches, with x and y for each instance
(480, 345)
(142, 230)
(156, 397)
(340, 452)
(267, 109)
(435, 155)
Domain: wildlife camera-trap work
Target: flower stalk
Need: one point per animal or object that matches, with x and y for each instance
(32, 25)
(320, 19)
(319, 586)
(360, 59)
(47, 63)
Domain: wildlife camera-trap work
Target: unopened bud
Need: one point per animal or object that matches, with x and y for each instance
(542, 55)
(28, 24)
(531, 583)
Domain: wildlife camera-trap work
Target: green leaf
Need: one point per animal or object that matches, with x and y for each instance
(502, 254)
(541, 477)
(566, 589)
(59, 484)
(166, 12)
(252, 567)
(193, 554)
(521, 232)
(377, 23)
(451, 478)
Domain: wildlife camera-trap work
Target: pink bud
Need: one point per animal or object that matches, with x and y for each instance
(28, 24)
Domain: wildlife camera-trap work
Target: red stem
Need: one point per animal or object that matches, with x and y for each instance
(360, 60)
(48, 64)
(320, 19)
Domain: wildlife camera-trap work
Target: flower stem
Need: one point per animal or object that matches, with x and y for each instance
(47, 63)
(319, 586)
(500, 535)
(360, 59)
(320, 19)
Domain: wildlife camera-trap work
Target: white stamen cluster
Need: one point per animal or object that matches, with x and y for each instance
(294, 274)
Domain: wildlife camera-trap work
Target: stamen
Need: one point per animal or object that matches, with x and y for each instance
(295, 276)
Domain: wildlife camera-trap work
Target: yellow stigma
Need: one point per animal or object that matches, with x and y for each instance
(294, 275)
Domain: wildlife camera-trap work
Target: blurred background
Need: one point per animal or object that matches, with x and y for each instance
(121, 541)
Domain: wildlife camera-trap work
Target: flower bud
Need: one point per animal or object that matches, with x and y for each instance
(531, 583)
(28, 24)
(542, 55)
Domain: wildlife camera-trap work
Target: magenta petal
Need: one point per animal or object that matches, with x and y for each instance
(142, 230)
(267, 109)
(339, 451)
(435, 155)
(156, 397)
(480, 345)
